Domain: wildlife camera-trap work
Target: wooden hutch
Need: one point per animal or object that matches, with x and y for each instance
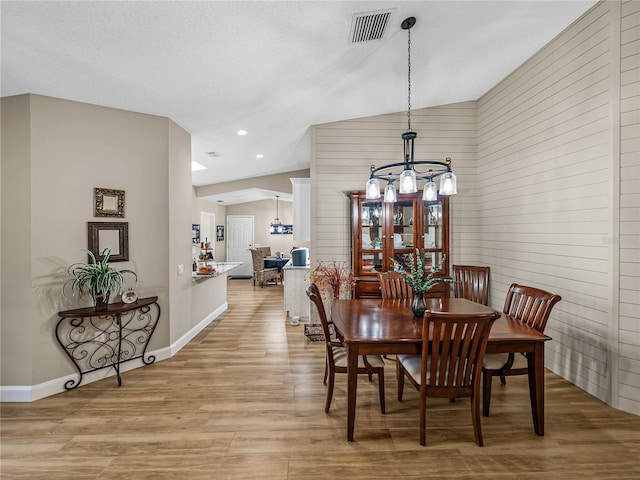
(382, 231)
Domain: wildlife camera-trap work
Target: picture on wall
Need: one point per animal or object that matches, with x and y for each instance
(219, 233)
(108, 202)
(111, 235)
(281, 230)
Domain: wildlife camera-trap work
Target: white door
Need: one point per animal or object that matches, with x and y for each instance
(239, 241)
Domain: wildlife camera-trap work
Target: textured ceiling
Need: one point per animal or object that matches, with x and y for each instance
(272, 68)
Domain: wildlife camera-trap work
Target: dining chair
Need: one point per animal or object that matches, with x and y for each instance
(449, 367)
(529, 305)
(472, 283)
(336, 355)
(393, 285)
(261, 274)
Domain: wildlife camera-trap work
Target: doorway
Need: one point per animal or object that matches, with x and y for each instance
(208, 229)
(239, 241)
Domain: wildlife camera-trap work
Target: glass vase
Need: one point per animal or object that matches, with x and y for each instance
(417, 304)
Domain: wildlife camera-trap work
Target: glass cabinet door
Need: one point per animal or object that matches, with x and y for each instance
(433, 232)
(371, 234)
(403, 239)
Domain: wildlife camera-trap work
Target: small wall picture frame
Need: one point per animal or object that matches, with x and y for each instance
(112, 235)
(219, 233)
(108, 202)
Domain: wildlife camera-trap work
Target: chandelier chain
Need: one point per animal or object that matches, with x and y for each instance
(409, 79)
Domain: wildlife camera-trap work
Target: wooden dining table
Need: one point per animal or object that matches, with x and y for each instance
(375, 326)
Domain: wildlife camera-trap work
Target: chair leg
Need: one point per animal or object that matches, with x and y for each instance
(423, 419)
(487, 377)
(327, 405)
(381, 390)
(475, 416)
(399, 380)
(326, 372)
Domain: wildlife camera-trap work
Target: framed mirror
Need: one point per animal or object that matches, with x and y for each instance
(113, 235)
(108, 203)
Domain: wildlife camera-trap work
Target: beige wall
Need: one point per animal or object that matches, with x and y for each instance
(548, 186)
(551, 215)
(278, 182)
(54, 152)
(628, 367)
(264, 212)
(342, 153)
(17, 308)
(200, 205)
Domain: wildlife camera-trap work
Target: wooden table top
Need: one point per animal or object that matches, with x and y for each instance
(375, 320)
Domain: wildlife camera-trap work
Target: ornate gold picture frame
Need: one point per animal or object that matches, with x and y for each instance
(108, 203)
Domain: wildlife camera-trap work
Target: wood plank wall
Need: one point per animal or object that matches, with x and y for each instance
(342, 153)
(544, 169)
(629, 231)
(548, 171)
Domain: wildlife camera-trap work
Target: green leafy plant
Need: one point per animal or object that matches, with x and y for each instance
(417, 278)
(98, 278)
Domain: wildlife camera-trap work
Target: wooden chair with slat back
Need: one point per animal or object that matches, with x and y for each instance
(471, 283)
(336, 357)
(393, 285)
(448, 368)
(531, 306)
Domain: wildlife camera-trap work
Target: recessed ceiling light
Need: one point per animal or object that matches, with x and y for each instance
(195, 166)
(259, 155)
(241, 132)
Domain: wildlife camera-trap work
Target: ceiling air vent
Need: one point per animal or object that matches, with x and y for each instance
(367, 27)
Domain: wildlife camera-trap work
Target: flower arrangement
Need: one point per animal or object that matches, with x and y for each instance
(334, 273)
(417, 278)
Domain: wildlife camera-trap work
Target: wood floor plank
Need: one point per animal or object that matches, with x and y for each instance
(245, 400)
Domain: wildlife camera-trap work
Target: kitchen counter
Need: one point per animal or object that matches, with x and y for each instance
(221, 268)
(296, 280)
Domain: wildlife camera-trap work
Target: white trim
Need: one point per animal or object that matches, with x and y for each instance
(187, 337)
(52, 387)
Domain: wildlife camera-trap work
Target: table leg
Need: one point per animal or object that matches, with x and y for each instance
(535, 362)
(116, 365)
(352, 386)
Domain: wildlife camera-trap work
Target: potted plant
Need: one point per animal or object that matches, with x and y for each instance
(98, 278)
(419, 280)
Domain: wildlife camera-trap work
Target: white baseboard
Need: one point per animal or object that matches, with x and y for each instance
(55, 386)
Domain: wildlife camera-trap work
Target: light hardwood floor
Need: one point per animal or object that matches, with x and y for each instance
(244, 400)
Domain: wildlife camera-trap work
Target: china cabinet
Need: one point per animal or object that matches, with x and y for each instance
(385, 231)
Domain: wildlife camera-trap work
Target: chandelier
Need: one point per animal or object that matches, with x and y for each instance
(276, 225)
(408, 172)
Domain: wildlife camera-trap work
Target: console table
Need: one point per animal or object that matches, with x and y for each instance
(99, 339)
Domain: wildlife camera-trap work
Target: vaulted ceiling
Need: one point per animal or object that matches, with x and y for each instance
(273, 68)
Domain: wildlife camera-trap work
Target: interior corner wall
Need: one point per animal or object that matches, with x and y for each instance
(15, 255)
(179, 205)
(72, 148)
(628, 241)
(547, 162)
